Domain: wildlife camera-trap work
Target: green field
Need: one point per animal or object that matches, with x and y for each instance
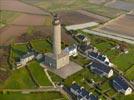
(38, 73)
(124, 61)
(130, 73)
(41, 45)
(80, 60)
(128, 97)
(33, 96)
(18, 79)
(6, 17)
(55, 78)
(17, 50)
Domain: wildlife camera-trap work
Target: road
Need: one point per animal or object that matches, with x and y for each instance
(112, 36)
(42, 89)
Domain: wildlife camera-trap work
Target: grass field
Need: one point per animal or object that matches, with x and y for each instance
(17, 50)
(55, 78)
(120, 97)
(124, 61)
(38, 73)
(6, 17)
(33, 96)
(18, 79)
(129, 73)
(41, 45)
(80, 60)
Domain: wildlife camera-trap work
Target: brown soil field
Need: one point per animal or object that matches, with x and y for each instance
(15, 5)
(44, 32)
(18, 27)
(124, 25)
(74, 17)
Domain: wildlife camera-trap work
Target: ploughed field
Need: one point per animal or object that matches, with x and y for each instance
(123, 25)
(15, 5)
(19, 26)
(77, 17)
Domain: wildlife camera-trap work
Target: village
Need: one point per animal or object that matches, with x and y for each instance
(82, 59)
(99, 64)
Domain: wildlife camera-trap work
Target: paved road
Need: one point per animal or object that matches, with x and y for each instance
(110, 35)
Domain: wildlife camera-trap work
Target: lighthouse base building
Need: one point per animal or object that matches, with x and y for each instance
(57, 62)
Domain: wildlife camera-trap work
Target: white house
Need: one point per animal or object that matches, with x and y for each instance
(120, 84)
(99, 57)
(101, 69)
(72, 50)
(25, 58)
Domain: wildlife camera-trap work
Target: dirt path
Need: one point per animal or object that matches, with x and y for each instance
(46, 72)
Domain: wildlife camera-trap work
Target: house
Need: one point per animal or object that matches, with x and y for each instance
(120, 84)
(101, 69)
(72, 50)
(99, 57)
(81, 93)
(81, 38)
(85, 48)
(25, 58)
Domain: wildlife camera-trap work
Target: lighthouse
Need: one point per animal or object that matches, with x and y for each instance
(56, 36)
(58, 58)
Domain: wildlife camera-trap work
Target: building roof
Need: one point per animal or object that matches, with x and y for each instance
(27, 55)
(91, 97)
(93, 54)
(71, 48)
(100, 68)
(81, 37)
(120, 83)
(85, 47)
(82, 92)
(101, 57)
(75, 87)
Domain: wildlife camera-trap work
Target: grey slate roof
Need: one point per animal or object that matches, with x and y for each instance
(83, 93)
(119, 83)
(100, 68)
(81, 37)
(27, 55)
(93, 54)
